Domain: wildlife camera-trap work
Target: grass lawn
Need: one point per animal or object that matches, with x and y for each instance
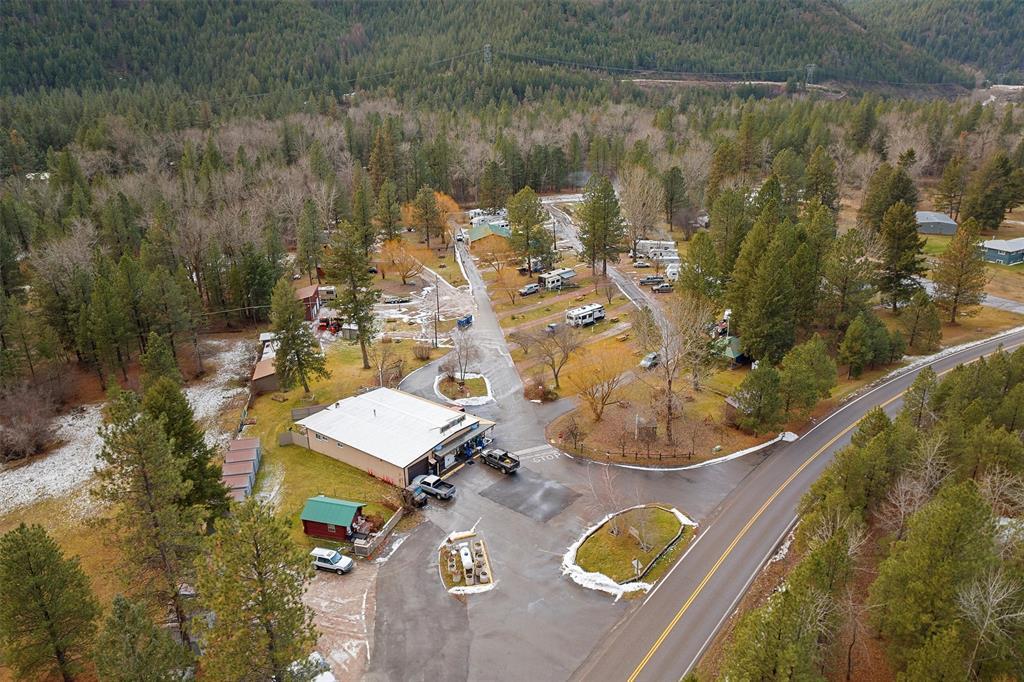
(292, 473)
(985, 323)
(471, 388)
(613, 555)
(442, 263)
(936, 244)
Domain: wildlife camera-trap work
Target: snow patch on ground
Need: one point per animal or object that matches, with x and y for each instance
(396, 542)
(467, 402)
(599, 581)
(784, 548)
(68, 467)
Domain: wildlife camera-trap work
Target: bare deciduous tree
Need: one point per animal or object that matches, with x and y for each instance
(556, 347)
(464, 354)
(991, 604)
(601, 373)
(606, 495)
(642, 198)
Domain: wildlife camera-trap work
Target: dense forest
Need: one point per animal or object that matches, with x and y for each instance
(986, 34)
(173, 65)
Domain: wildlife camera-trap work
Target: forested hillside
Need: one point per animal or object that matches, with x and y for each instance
(171, 65)
(987, 34)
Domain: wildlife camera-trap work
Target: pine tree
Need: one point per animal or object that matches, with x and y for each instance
(994, 189)
(157, 362)
(887, 187)
(387, 216)
(848, 280)
(348, 266)
(960, 276)
(310, 240)
(769, 328)
(920, 320)
(674, 189)
(526, 218)
(494, 187)
(602, 228)
(700, 274)
(739, 290)
(252, 578)
(298, 356)
(730, 221)
(108, 325)
(902, 259)
(820, 180)
(47, 611)
(362, 211)
(855, 350)
(758, 400)
(382, 158)
(426, 217)
(130, 647)
(807, 375)
(165, 402)
(142, 482)
(950, 192)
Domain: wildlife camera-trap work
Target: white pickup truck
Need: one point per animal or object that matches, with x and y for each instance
(433, 485)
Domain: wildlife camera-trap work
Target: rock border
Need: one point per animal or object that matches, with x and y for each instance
(465, 402)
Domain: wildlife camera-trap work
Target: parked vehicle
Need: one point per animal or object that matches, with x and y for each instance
(390, 300)
(532, 288)
(651, 279)
(584, 315)
(372, 269)
(650, 360)
(501, 460)
(464, 322)
(328, 292)
(413, 496)
(434, 486)
(641, 264)
(664, 288)
(331, 560)
(552, 326)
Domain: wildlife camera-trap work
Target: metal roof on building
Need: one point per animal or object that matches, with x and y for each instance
(323, 509)
(1007, 245)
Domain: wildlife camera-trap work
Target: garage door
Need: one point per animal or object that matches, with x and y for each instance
(418, 468)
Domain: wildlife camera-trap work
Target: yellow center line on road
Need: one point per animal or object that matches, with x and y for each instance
(743, 531)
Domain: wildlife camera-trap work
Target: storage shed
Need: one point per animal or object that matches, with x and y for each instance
(327, 517)
(310, 297)
(1005, 251)
(932, 222)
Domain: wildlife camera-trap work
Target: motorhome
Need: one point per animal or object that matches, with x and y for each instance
(556, 278)
(652, 247)
(584, 315)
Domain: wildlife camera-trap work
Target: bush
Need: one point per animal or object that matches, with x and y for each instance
(25, 421)
(535, 389)
(421, 351)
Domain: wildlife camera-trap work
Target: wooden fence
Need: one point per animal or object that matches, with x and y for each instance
(370, 545)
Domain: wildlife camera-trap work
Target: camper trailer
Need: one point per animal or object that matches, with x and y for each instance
(584, 315)
(556, 279)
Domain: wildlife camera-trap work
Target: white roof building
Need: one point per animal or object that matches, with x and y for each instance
(394, 435)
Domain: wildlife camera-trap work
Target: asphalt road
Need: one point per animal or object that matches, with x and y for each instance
(665, 637)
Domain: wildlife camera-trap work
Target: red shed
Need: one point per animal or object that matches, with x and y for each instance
(326, 517)
(310, 297)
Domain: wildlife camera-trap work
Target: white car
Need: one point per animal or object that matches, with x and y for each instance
(649, 361)
(331, 560)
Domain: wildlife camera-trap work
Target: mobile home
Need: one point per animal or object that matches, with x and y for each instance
(584, 315)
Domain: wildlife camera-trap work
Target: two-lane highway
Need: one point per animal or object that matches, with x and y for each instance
(665, 636)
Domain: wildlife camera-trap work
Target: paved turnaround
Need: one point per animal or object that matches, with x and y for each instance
(665, 637)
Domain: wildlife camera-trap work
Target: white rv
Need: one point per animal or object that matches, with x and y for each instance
(672, 272)
(555, 278)
(652, 247)
(584, 315)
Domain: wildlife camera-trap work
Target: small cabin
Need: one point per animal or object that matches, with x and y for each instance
(327, 517)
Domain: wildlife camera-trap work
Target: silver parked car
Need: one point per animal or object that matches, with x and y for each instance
(650, 360)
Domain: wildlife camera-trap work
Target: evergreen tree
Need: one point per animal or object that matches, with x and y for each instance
(996, 187)
(729, 224)
(855, 351)
(820, 180)
(674, 189)
(768, 330)
(920, 320)
(494, 187)
(47, 611)
(426, 217)
(108, 325)
(602, 228)
(130, 647)
(902, 259)
(950, 192)
(165, 402)
(362, 211)
(848, 279)
(526, 218)
(887, 187)
(382, 158)
(700, 274)
(807, 375)
(759, 401)
(949, 542)
(348, 266)
(310, 240)
(387, 216)
(298, 356)
(142, 482)
(157, 362)
(251, 577)
(960, 276)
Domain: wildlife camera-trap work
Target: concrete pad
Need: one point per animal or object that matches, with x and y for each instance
(531, 495)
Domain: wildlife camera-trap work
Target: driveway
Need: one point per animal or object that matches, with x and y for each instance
(535, 624)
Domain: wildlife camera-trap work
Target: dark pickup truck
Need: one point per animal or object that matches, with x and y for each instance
(500, 459)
